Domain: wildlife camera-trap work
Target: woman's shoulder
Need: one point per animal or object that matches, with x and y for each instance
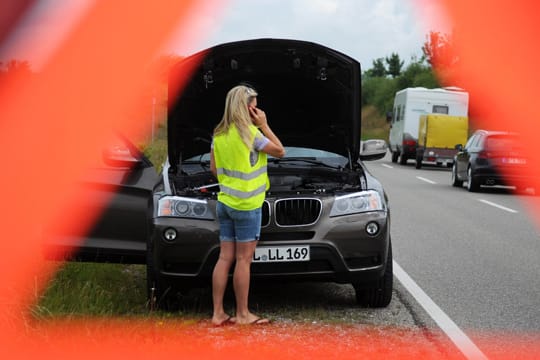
(253, 128)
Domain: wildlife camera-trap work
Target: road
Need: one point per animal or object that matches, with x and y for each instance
(476, 255)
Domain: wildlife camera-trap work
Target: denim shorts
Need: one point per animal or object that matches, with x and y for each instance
(238, 225)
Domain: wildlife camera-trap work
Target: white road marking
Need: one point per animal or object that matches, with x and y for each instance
(498, 206)
(426, 180)
(387, 166)
(458, 337)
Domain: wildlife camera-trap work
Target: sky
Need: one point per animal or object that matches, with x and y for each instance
(363, 29)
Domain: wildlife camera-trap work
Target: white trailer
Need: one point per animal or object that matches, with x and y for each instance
(409, 105)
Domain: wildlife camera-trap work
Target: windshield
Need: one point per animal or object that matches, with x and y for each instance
(295, 155)
(503, 143)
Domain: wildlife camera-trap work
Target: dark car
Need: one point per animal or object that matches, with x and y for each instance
(492, 158)
(118, 188)
(325, 217)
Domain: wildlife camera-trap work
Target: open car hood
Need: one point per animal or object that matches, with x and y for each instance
(310, 93)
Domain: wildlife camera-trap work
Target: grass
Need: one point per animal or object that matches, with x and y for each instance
(156, 149)
(96, 290)
(374, 125)
(156, 152)
(90, 290)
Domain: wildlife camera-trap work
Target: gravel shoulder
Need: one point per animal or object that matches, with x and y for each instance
(328, 304)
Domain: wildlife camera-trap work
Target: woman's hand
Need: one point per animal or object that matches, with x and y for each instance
(257, 116)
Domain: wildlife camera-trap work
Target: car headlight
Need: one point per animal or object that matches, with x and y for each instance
(177, 206)
(356, 203)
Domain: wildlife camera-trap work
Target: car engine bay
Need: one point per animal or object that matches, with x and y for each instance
(289, 181)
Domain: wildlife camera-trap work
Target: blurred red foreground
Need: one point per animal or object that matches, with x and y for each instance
(53, 128)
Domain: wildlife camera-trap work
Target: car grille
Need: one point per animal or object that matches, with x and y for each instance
(297, 211)
(265, 221)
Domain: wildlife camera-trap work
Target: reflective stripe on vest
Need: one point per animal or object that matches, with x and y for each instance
(242, 194)
(241, 175)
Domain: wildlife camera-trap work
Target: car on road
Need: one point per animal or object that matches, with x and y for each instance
(492, 158)
(325, 217)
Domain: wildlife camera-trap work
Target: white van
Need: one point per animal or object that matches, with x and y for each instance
(409, 105)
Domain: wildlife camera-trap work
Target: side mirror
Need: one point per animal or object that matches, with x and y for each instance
(389, 116)
(119, 156)
(458, 147)
(374, 149)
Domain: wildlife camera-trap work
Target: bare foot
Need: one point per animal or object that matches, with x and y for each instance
(221, 320)
(251, 319)
(260, 321)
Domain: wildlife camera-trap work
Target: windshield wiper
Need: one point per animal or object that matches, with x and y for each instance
(303, 159)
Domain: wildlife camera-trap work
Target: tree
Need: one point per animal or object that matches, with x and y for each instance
(417, 74)
(394, 65)
(378, 69)
(380, 91)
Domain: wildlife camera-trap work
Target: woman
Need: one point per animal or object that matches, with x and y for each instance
(238, 160)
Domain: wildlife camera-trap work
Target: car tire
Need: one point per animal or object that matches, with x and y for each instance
(455, 181)
(379, 294)
(395, 156)
(472, 184)
(160, 295)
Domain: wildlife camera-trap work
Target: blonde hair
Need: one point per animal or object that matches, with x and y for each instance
(237, 113)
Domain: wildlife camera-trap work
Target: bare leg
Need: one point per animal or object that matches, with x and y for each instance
(219, 280)
(241, 279)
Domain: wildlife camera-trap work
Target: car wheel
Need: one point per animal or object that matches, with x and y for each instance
(380, 293)
(455, 181)
(160, 295)
(472, 184)
(395, 156)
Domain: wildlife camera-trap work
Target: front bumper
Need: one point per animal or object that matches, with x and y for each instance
(340, 250)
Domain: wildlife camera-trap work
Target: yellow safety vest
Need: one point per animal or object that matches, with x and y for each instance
(242, 186)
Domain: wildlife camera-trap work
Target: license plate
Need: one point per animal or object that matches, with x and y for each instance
(281, 253)
(514, 161)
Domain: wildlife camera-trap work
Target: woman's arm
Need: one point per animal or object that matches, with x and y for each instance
(213, 163)
(274, 146)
